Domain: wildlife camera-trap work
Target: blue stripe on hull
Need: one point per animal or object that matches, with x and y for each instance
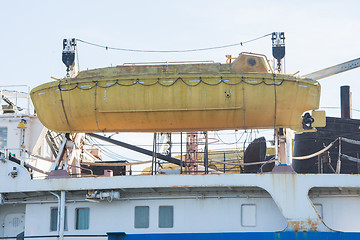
(238, 236)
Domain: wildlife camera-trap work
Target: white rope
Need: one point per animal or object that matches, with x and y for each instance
(353, 159)
(114, 164)
(242, 164)
(317, 153)
(350, 141)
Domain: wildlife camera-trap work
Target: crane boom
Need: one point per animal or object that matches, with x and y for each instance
(342, 67)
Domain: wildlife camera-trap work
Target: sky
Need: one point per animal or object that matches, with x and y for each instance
(318, 34)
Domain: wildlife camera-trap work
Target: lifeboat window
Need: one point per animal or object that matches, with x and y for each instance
(252, 61)
(3, 138)
(54, 219)
(248, 215)
(141, 216)
(82, 218)
(166, 216)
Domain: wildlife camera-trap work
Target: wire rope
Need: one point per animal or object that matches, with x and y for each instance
(172, 51)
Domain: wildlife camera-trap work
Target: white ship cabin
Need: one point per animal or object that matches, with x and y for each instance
(20, 129)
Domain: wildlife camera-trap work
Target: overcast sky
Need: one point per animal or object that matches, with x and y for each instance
(318, 34)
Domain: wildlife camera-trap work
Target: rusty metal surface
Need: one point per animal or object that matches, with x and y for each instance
(283, 169)
(290, 192)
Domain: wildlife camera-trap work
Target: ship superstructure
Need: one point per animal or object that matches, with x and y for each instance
(55, 184)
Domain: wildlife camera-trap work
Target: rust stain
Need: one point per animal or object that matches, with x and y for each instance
(313, 225)
(304, 225)
(294, 225)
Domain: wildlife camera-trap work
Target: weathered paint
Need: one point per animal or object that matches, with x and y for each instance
(289, 191)
(171, 99)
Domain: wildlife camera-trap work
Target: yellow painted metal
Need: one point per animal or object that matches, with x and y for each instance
(319, 117)
(173, 98)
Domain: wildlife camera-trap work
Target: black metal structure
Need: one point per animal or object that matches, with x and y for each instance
(136, 149)
(345, 102)
(308, 143)
(256, 152)
(278, 48)
(99, 170)
(68, 54)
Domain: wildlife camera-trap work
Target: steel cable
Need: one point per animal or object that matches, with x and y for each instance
(172, 51)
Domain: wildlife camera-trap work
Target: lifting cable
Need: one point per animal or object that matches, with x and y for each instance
(63, 107)
(172, 51)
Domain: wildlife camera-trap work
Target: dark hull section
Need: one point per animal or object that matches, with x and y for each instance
(308, 143)
(256, 152)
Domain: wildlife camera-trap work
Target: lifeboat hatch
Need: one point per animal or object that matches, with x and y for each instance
(251, 63)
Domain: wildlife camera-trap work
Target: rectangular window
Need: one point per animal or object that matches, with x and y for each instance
(3, 138)
(141, 217)
(166, 216)
(248, 215)
(82, 218)
(319, 209)
(54, 219)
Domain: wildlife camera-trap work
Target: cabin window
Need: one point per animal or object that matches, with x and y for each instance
(248, 215)
(54, 219)
(141, 216)
(166, 216)
(82, 218)
(3, 138)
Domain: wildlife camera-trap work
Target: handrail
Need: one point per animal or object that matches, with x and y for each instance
(52, 160)
(166, 63)
(260, 55)
(6, 91)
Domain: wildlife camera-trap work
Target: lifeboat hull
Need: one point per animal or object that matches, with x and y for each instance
(174, 103)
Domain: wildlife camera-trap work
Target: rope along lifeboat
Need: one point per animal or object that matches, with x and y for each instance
(176, 97)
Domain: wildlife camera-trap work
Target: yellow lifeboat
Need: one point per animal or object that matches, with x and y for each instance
(176, 97)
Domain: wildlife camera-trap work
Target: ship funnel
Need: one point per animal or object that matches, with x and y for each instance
(345, 101)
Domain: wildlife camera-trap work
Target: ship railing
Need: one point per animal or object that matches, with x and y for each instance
(38, 157)
(168, 63)
(5, 153)
(341, 155)
(15, 99)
